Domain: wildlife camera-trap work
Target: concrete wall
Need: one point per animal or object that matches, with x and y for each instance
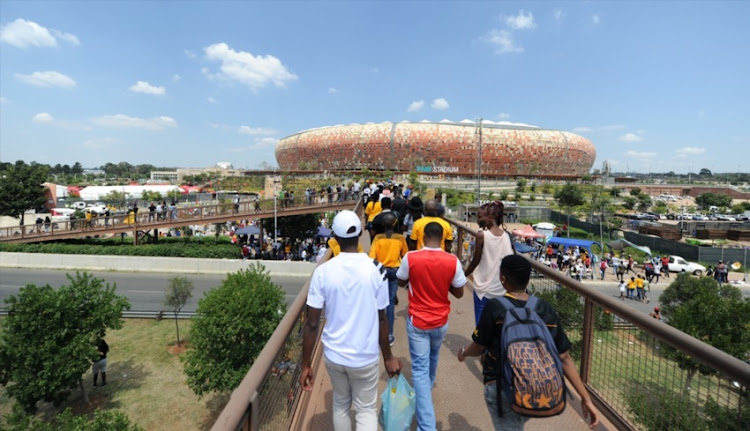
(148, 264)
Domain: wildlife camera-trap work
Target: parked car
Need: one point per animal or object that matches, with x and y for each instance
(679, 264)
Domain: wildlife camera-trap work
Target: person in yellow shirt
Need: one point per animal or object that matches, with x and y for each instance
(336, 248)
(430, 215)
(639, 286)
(388, 248)
(631, 287)
(372, 209)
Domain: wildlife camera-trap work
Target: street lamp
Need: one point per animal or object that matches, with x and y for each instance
(479, 160)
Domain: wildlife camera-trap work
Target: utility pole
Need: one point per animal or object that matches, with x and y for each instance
(478, 132)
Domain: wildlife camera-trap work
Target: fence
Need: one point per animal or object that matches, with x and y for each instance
(644, 374)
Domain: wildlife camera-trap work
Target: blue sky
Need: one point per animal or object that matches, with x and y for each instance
(656, 86)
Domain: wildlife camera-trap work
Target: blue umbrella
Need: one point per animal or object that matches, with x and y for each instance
(248, 230)
(323, 232)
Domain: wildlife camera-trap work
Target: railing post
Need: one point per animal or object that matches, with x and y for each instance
(587, 340)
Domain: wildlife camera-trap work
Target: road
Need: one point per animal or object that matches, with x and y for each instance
(145, 290)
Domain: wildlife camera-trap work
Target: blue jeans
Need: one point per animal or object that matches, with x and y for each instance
(478, 307)
(510, 420)
(390, 311)
(424, 348)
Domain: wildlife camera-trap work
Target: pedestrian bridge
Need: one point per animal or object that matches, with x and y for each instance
(142, 221)
(626, 364)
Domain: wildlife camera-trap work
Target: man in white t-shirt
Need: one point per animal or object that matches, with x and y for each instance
(353, 289)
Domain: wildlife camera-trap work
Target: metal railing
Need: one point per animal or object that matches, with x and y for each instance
(630, 362)
(269, 396)
(624, 360)
(144, 220)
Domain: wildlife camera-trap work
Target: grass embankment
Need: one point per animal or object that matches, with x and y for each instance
(144, 380)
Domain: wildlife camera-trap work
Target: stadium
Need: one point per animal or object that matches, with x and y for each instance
(450, 148)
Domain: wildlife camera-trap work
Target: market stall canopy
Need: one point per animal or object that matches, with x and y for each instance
(571, 242)
(527, 232)
(523, 248)
(248, 230)
(323, 232)
(621, 243)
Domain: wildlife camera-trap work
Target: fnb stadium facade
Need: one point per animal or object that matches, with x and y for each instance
(440, 148)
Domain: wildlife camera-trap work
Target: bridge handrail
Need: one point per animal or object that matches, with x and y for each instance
(239, 414)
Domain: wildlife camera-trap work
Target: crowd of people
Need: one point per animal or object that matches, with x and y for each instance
(410, 248)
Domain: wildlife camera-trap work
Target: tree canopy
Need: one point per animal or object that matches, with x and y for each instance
(21, 188)
(708, 199)
(49, 337)
(67, 421)
(569, 196)
(232, 324)
(179, 291)
(717, 315)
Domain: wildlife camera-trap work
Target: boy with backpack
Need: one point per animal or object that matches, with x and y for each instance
(520, 328)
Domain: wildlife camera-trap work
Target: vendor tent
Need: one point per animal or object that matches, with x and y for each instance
(523, 248)
(546, 229)
(621, 243)
(572, 242)
(527, 232)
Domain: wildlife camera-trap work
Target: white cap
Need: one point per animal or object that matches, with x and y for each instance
(347, 224)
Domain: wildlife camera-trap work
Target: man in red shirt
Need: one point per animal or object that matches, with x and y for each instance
(431, 274)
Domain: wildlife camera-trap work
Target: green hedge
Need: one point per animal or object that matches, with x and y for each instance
(199, 247)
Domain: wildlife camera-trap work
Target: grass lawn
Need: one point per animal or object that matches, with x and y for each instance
(145, 380)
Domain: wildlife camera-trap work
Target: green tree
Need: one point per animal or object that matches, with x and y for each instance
(708, 199)
(21, 188)
(716, 315)
(116, 197)
(635, 191)
(49, 337)
(151, 196)
(660, 207)
(705, 172)
(179, 291)
(230, 328)
(66, 421)
(629, 202)
(520, 185)
(644, 202)
(569, 196)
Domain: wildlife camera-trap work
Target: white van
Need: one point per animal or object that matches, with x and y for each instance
(670, 198)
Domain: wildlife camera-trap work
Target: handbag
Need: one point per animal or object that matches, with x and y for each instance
(398, 405)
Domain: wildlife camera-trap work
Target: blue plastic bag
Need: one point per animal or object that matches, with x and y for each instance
(398, 405)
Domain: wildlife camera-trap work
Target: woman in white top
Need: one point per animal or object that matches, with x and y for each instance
(492, 245)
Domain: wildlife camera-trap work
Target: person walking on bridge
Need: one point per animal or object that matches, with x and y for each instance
(354, 292)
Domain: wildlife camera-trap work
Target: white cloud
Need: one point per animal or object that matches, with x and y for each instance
(559, 14)
(176, 77)
(47, 79)
(245, 130)
(640, 155)
(630, 137)
(503, 116)
(690, 151)
(146, 88)
(241, 66)
(122, 121)
(523, 21)
(264, 143)
(70, 38)
(582, 130)
(47, 119)
(503, 41)
(212, 100)
(440, 104)
(415, 106)
(190, 54)
(332, 90)
(22, 33)
(595, 18)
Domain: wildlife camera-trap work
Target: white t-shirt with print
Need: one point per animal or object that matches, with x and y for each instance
(351, 289)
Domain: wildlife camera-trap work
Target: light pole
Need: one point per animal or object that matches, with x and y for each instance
(479, 161)
(275, 228)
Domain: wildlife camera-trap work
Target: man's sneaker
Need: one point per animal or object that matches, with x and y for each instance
(391, 340)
